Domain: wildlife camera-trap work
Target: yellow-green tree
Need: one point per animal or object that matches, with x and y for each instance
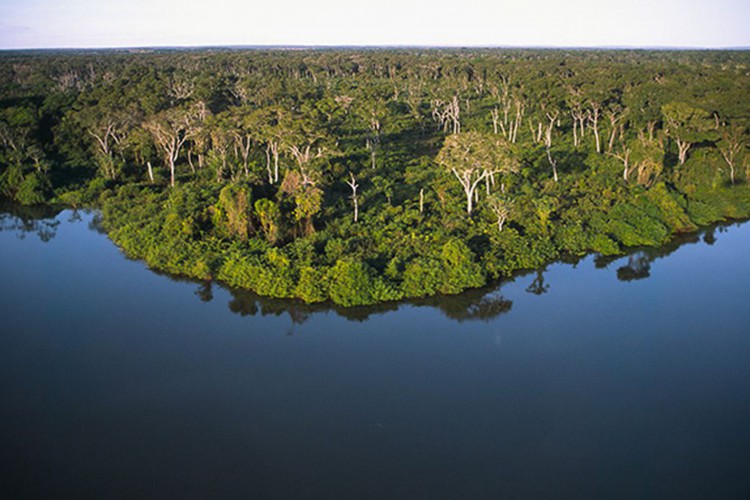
(473, 157)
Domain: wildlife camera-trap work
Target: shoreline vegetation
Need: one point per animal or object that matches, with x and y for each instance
(361, 177)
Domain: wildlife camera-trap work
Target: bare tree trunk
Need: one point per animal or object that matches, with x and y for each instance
(594, 122)
(469, 198)
(579, 125)
(246, 143)
(353, 184)
(370, 145)
(273, 147)
(682, 150)
(190, 162)
(552, 117)
(421, 200)
(538, 133)
(611, 142)
(502, 209)
(268, 164)
(495, 119)
(552, 162)
(582, 127)
(500, 223)
(625, 159)
(517, 122)
(469, 186)
(598, 140)
(150, 172)
(455, 115)
(614, 123)
(276, 164)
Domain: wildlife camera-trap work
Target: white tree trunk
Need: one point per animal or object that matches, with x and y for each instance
(500, 223)
(469, 186)
(353, 185)
(268, 164)
(171, 171)
(682, 150)
(552, 162)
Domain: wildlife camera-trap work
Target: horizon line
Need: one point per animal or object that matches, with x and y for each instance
(377, 46)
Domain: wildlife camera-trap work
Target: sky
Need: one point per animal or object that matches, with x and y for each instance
(549, 23)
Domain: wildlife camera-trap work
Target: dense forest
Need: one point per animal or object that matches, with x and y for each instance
(363, 175)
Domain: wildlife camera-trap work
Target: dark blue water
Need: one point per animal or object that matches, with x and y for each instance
(620, 379)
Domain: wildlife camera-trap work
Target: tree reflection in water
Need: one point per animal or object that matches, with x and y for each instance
(538, 286)
(638, 267)
(709, 237)
(481, 304)
(470, 305)
(39, 220)
(205, 292)
(639, 261)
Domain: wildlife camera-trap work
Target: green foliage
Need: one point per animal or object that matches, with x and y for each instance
(312, 285)
(573, 239)
(688, 122)
(261, 143)
(603, 244)
(422, 277)
(350, 283)
(636, 225)
(33, 190)
(269, 215)
(232, 212)
(11, 179)
(672, 207)
(460, 269)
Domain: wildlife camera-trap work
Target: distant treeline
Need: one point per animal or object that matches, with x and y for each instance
(362, 176)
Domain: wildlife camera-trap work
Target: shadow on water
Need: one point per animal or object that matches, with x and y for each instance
(538, 286)
(639, 260)
(482, 304)
(24, 220)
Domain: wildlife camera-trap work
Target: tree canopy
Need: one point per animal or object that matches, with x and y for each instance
(367, 175)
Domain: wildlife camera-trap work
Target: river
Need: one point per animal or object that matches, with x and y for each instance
(603, 378)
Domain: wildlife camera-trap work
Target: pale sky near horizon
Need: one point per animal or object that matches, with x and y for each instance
(555, 23)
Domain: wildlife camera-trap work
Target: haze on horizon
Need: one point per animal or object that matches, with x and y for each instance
(26, 24)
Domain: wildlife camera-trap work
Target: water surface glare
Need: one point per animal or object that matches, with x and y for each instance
(627, 378)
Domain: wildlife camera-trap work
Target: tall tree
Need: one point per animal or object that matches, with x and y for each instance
(732, 146)
(472, 157)
(686, 125)
(353, 185)
(270, 126)
(501, 207)
(170, 130)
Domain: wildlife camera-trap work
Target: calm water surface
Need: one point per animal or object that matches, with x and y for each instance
(605, 379)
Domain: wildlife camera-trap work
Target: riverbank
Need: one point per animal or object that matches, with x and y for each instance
(405, 254)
